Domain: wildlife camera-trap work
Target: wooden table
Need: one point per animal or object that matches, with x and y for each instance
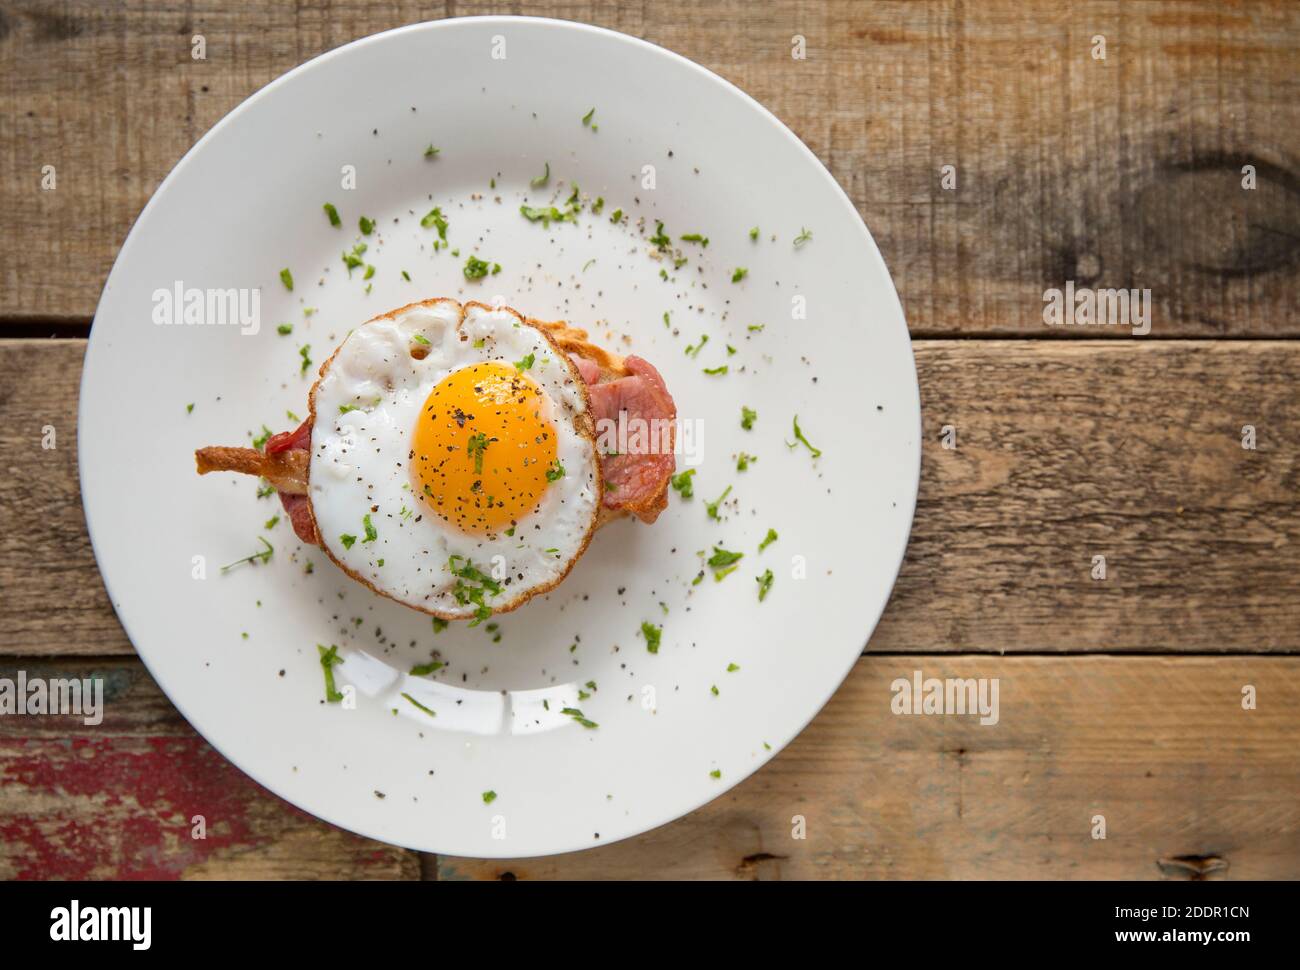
(1120, 697)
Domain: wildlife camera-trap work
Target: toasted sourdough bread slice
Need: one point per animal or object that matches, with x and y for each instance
(285, 462)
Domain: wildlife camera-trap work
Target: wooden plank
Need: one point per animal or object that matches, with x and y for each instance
(1131, 451)
(1122, 172)
(118, 800)
(54, 601)
(1188, 782)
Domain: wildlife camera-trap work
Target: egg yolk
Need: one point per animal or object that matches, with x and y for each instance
(482, 447)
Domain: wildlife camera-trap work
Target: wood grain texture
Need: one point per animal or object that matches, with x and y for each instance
(1064, 452)
(1187, 782)
(1122, 172)
(118, 800)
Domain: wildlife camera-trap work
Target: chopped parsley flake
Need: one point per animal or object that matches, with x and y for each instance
(286, 278)
(547, 214)
(723, 561)
(489, 797)
(426, 710)
(767, 540)
(423, 670)
(189, 409)
(432, 152)
(659, 239)
(284, 329)
(803, 237)
(652, 635)
(716, 371)
(800, 439)
(475, 447)
(439, 624)
(332, 214)
(576, 714)
(328, 659)
(732, 668)
(753, 234)
(712, 507)
(271, 522)
(739, 274)
(542, 179)
(347, 540)
(476, 269)
(695, 237)
(617, 216)
(555, 472)
(526, 363)
(472, 587)
(305, 353)
(743, 461)
(434, 219)
(260, 441)
(353, 259)
(683, 484)
(370, 271)
(263, 556)
(406, 276)
(764, 584)
(371, 534)
(367, 226)
(714, 690)
(694, 349)
(420, 338)
(586, 119)
(715, 773)
(747, 418)
(598, 205)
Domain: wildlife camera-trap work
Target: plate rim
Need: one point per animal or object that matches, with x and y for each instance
(607, 34)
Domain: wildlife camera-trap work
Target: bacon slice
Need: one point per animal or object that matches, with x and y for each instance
(637, 481)
(296, 440)
(589, 369)
(298, 509)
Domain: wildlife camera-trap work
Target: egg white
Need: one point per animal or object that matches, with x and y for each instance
(360, 459)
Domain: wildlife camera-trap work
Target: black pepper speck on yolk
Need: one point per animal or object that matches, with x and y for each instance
(482, 445)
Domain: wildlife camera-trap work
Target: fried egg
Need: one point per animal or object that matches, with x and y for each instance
(453, 459)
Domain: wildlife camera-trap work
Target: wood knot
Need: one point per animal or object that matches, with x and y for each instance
(1195, 868)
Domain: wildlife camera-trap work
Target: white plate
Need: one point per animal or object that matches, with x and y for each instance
(247, 201)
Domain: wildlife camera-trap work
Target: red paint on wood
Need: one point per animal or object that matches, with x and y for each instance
(123, 807)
